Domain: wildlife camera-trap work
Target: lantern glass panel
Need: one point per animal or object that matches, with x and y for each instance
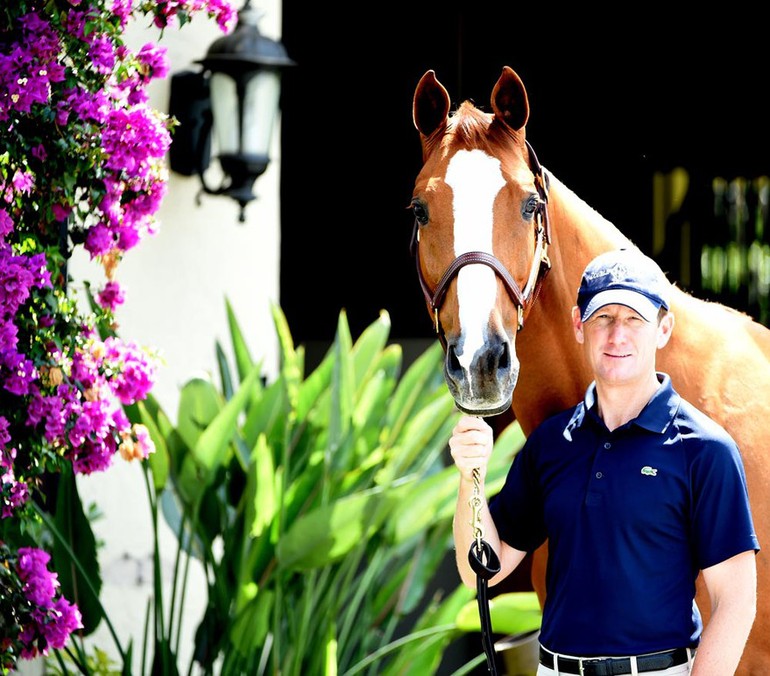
(224, 103)
(259, 111)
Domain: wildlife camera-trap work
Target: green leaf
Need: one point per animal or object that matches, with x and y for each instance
(225, 377)
(435, 500)
(314, 387)
(427, 652)
(425, 436)
(251, 626)
(343, 392)
(265, 502)
(512, 613)
(326, 534)
(266, 414)
(368, 347)
(199, 404)
(291, 362)
(243, 360)
(159, 461)
(373, 399)
(421, 382)
(70, 520)
(208, 453)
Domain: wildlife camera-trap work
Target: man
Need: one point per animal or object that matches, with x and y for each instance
(635, 490)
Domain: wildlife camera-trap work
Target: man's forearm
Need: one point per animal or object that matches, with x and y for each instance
(723, 640)
(464, 531)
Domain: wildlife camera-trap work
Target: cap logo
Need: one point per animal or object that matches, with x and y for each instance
(616, 273)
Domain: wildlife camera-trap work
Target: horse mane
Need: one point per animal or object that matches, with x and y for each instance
(472, 129)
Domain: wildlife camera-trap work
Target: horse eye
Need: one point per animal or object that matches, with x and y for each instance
(420, 212)
(531, 206)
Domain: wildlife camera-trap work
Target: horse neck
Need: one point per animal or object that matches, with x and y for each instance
(554, 374)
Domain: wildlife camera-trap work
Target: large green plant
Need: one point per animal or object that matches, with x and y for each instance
(320, 508)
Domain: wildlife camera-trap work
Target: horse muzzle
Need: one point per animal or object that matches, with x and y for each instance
(483, 385)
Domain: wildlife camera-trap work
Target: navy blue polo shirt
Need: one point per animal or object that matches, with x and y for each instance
(631, 517)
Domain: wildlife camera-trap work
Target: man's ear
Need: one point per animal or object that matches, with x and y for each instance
(665, 328)
(577, 325)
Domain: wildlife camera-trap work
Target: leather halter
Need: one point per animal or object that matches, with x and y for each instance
(541, 264)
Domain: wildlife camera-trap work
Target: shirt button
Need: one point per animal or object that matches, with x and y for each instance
(599, 475)
(607, 445)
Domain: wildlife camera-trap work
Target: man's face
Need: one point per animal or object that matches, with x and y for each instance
(619, 344)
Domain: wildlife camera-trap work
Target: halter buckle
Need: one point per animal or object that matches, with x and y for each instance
(520, 313)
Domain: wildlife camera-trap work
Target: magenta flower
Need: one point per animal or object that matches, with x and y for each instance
(53, 618)
(6, 223)
(153, 58)
(82, 149)
(5, 437)
(66, 618)
(39, 583)
(102, 54)
(23, 181)
(111, 296)
(13, 494)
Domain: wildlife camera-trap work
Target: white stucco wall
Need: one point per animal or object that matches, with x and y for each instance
(176, 283)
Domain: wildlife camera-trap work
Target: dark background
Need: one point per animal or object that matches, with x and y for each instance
(611, 103)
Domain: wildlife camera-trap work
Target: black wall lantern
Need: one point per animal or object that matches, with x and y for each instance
(234, 99)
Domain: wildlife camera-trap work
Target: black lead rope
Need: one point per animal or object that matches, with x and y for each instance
(479, 553)
(486, 565)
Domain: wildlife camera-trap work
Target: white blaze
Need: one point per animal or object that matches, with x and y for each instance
(475, 179)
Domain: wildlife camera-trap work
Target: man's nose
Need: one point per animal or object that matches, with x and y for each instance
(617, 332)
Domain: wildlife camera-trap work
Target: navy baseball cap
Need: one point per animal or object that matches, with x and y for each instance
(623, 277)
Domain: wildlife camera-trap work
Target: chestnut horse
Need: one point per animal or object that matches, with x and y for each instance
(501, 245)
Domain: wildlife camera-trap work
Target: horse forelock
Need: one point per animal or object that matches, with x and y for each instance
(471, 128)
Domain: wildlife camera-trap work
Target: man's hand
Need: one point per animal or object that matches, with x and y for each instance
(471, 446)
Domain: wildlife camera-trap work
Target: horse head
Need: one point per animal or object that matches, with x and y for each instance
(481, 235)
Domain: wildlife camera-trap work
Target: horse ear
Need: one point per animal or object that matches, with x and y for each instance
(509, 100)
(430, 106)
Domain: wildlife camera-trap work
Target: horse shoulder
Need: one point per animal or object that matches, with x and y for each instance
(719, 360)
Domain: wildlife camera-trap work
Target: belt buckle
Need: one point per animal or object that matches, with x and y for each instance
(582, 662)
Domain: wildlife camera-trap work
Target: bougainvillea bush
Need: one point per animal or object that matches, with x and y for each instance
(81, 164)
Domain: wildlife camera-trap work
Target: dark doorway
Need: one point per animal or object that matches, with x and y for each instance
(608, 109)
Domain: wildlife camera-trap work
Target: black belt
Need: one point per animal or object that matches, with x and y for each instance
(609, 666)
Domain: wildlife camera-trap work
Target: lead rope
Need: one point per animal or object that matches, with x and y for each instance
(486, 565)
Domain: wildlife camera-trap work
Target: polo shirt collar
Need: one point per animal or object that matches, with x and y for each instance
(656, 416)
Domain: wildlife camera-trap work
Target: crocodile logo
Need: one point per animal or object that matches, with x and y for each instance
(649, 471)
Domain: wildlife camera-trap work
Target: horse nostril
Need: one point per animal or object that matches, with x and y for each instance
(505, 357)
(452, 362)
(497, 358)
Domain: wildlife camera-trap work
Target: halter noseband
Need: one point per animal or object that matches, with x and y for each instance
(540, 261)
